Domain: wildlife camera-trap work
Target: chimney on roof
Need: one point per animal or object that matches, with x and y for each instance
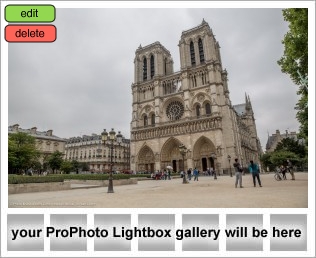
(49, 133)
(33, 130)
(15, 127)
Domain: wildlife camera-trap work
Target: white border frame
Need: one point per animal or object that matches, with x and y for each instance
(310, 211)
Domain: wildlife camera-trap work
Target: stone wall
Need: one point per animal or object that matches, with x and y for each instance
(105, 182)
(38, 187)
(59, 186)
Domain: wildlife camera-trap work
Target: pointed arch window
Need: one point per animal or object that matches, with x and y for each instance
(145, 120)
(207, 108)
(197, 109)
(145, 69)
(201, 50)
(192, 53)
(152, 66)
(153, 117)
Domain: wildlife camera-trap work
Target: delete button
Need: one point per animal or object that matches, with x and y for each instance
(30, 33)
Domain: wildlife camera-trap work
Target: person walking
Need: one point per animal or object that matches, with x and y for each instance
(290, 169)
(254, 170)
(189, 173)
(212, 171)
(238, 173)
(196, 174)
(169, 175)
(283, 171)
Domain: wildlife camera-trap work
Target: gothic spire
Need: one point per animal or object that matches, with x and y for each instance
(249, 102)
(246, 101)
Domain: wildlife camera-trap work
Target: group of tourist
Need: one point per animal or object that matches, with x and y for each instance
(253, 169)
(161, 175)
(195, 173)
(287, 167)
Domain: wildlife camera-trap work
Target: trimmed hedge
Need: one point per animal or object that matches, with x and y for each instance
(94, 176)
(34, 179)
(19, 179)
(148, 175)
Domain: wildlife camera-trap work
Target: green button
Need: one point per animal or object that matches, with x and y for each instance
(30, 13)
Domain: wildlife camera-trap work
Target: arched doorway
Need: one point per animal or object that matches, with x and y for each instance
(170, 155)
(146, 160)
(203, 148)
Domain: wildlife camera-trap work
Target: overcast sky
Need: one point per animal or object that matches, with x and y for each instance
(81, 83)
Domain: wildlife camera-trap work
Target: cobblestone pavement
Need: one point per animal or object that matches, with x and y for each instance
(205, 193)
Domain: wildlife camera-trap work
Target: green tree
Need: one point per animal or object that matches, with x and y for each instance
(12, 157)
(291, 145)
(85, 166)
(22, 152)
(266, 162)
(295, 60)
(66, 166)
(55, 160)
(278, 158)
(38, 166)
(76, 165)
(302, 116)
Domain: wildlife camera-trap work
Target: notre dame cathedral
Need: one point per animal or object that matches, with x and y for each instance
(191, 107)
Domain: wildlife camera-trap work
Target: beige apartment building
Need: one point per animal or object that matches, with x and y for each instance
(91, 150)
(190, 107)
(46, 142)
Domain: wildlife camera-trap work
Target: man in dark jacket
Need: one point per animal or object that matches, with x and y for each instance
(254, 170)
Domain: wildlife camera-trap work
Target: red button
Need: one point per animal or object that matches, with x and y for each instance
(30, 33)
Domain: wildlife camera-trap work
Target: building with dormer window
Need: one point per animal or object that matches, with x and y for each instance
(46, 142)
(90, 149)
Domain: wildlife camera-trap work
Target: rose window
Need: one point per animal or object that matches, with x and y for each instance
(175, 110)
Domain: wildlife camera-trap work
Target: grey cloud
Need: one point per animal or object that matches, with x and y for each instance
(81, 83)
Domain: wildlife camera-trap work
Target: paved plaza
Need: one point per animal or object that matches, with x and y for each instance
(205, 193)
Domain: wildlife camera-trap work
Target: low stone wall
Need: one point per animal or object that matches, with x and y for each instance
(104, 182)
(38, 187)
(66, 185)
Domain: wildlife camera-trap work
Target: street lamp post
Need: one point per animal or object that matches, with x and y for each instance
(183, 150)
(230, 168)
(213, 155)
(111, 137)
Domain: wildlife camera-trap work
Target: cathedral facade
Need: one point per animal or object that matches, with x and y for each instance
(191, 107)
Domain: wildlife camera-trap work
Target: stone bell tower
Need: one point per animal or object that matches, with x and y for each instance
(150, 61)
(198, 46)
